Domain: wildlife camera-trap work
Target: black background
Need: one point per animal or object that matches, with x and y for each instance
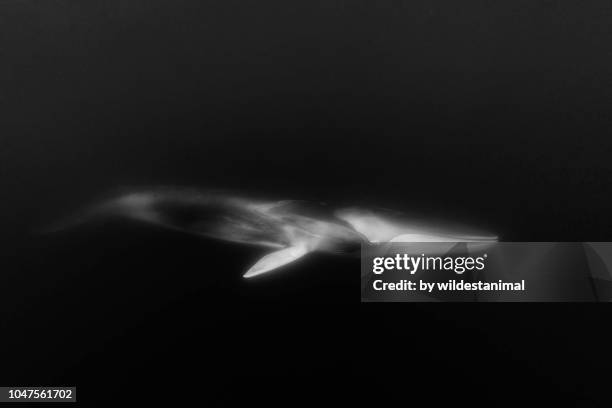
(491, 113)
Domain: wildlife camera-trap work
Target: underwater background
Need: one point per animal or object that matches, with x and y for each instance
(494, 115)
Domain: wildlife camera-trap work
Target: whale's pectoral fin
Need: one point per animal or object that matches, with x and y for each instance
(276, 260)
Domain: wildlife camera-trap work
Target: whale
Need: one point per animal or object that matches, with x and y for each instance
(288, 229)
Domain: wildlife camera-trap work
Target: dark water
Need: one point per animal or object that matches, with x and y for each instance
(496, 115)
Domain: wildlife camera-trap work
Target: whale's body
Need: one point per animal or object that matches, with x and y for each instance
(291, 228)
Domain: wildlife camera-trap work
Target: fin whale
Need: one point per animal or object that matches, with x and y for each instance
(291, 228)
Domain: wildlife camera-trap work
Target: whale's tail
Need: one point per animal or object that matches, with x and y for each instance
(130, 205)
(77, 219)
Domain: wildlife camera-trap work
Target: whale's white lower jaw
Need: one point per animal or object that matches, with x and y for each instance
(420, 237)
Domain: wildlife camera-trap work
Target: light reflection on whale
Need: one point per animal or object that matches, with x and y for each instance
(290, 228)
